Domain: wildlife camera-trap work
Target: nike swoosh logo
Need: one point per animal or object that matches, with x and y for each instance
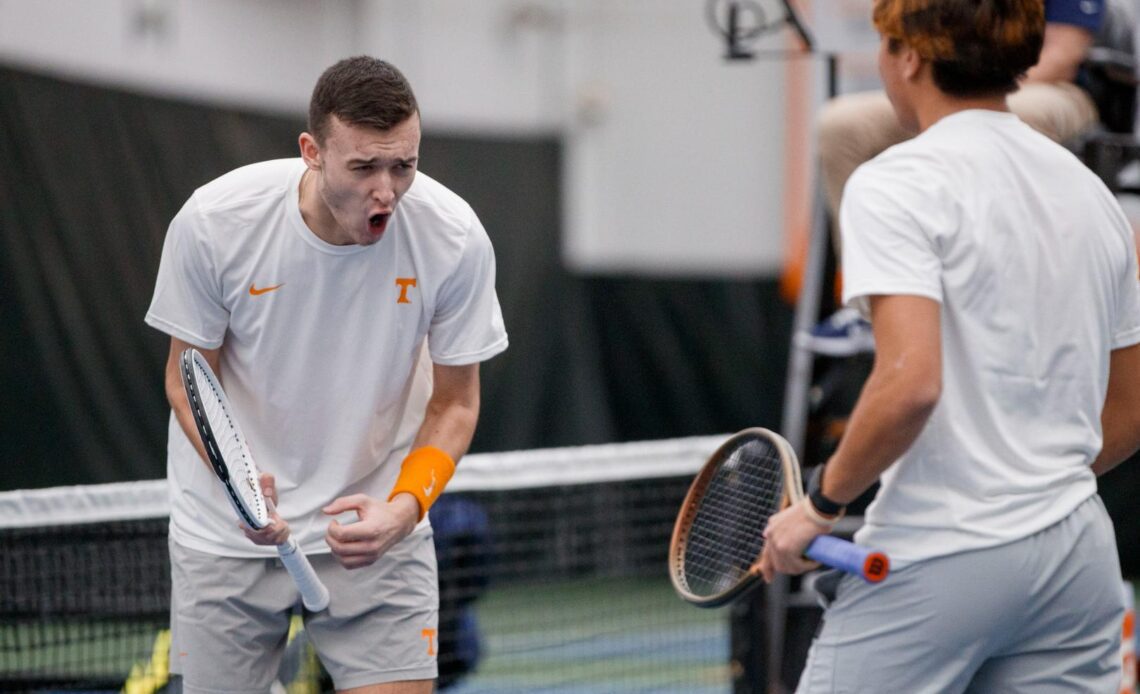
(431, 487)
(254, 291)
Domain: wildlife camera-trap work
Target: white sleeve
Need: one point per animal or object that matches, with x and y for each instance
(468, 324)
(187, 302)
(888, 246)
(1127, 332)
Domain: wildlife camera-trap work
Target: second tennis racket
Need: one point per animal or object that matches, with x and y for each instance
(719, 533)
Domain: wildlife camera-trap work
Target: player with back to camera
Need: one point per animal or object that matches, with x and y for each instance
(854, 128)
(1000, 277)
(345, 300)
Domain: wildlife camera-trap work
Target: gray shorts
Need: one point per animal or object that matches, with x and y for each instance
(1042, 614)
(230, 618)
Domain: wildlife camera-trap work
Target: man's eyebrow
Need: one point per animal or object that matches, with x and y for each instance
(357, 161)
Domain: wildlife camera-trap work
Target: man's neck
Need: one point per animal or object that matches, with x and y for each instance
(937, 105)
(313, 210)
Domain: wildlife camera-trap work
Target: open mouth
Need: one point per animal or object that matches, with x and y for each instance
(377, 222)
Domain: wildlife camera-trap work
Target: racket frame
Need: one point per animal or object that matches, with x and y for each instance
(314, 594)
(683, 525)
(249, 516)
(870, 565)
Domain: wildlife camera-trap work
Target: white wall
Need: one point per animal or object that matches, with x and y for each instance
(675, 159)
(219, 50)
(490, 66)
(675, 156)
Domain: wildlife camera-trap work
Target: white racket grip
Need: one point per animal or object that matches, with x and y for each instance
(313, 593)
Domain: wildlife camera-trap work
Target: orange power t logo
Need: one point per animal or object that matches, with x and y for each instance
(404, 283)
(429, 634)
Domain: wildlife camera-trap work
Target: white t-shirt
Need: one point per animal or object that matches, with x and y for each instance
(1034, 265)
(327, 349)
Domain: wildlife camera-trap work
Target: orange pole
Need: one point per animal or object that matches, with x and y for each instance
(797, 166)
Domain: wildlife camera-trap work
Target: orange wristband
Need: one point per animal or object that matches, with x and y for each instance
(423, 475)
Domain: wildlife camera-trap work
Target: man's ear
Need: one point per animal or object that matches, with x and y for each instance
(310, 151)
(912, 63)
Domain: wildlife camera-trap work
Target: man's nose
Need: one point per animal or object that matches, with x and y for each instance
(383, 192)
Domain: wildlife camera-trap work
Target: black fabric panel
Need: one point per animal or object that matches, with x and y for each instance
(1119, 490)
(686, 358)
(93, 176)
(514, 187)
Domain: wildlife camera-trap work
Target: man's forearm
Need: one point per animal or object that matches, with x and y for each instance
(888, 417)
(448, 426)
(441, 441)
(1120, 418)
(1121, 441)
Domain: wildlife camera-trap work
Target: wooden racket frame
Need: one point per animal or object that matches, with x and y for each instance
(792, 493)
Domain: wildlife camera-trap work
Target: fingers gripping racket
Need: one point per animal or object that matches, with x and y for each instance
(719, 533)
(229, 456)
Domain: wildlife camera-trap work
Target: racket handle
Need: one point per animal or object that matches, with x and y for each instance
(314, 595)
(870, 565)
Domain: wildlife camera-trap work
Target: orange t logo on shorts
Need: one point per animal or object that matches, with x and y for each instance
(429, 634)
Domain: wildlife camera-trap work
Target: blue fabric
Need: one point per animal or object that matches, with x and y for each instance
(468, 647)
(464, 546)
(1083, 13)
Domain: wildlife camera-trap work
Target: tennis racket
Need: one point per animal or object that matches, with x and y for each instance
(229, 456)
(719, 534)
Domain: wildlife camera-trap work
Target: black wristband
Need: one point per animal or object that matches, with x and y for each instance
(815, 493)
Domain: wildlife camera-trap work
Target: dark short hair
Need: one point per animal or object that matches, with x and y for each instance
(975, 47)
(361, 91)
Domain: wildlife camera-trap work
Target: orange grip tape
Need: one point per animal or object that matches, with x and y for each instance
(423, 474)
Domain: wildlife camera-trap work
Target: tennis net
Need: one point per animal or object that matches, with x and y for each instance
(552, 579)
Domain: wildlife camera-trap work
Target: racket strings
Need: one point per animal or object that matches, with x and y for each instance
(726, 536)
(232, 448)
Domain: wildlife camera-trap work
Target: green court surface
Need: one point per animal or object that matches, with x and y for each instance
(599, 635)
(100, 652)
